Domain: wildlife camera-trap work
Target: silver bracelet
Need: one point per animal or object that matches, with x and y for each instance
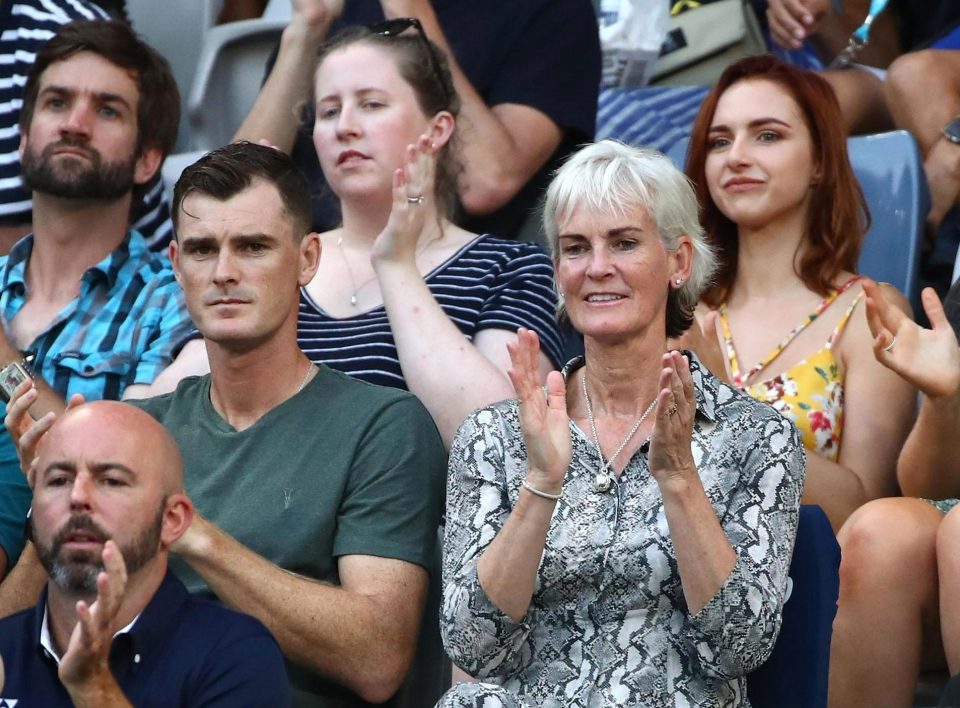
(533, 490)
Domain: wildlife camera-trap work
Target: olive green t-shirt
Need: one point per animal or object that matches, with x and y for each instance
(341, 468)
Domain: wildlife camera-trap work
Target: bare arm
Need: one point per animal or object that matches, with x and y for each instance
(21, 588)
(191, 361)
(433, 353)
(274, 116)
(360, 634)
(878, 410)
(507, 569)
(705, 557)
(930, 360)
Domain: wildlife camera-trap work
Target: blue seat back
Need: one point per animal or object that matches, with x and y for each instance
(796, 672)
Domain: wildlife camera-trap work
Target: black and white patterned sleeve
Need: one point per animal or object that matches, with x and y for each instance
(735, 632)
(477, 635)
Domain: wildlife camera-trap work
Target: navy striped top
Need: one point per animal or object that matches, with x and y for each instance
(490, 283)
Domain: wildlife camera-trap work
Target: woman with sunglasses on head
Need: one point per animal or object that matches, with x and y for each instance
(782, 206)
(624, 539)
(402, 296)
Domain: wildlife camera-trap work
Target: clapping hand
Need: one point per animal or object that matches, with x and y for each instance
(544, 419)
(412, 192)
(85, 665)
(927, 358)
(671, 456)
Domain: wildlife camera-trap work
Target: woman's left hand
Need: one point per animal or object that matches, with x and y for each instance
(413, 190)
(671, 457)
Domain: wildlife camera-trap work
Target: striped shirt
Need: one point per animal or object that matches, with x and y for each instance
(488, 284)
(121, 330)
(25, 25)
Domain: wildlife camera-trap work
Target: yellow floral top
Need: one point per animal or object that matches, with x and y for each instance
(810, 393)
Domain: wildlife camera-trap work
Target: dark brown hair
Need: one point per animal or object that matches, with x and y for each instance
(432, 84)
(227, 171)
(838, 216)
(158, 107)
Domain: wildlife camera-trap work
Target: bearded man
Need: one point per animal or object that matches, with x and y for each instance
(114, 627)
(85, 307)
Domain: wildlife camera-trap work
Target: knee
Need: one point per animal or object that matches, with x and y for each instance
(885, 541)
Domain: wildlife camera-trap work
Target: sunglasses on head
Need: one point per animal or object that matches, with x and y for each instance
(396, 27)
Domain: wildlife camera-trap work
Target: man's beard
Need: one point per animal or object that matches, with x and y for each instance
(75, 572)
(68, 178)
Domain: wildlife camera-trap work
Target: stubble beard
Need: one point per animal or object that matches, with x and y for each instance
(61, 176)
(75, 572)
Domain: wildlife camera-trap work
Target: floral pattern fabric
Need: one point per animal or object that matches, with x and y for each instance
(809, 393)
(608, 624)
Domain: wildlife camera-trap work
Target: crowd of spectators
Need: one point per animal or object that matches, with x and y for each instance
(248, 431)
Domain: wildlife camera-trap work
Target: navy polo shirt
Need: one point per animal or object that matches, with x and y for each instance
(181, 651)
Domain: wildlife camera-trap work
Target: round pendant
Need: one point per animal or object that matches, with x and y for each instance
(602, 482)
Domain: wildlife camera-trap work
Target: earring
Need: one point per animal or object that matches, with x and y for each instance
(678, 281)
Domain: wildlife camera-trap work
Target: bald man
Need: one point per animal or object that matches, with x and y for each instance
(114, 627)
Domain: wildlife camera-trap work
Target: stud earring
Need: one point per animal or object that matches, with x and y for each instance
(678, 281)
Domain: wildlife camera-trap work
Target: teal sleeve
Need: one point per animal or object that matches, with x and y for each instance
(15, 497)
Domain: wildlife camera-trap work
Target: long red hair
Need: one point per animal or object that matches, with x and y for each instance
(838, 216)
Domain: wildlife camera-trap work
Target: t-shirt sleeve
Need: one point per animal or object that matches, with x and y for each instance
(393, 498)
(171, 326)
(15, 496)
(554, 66)
(523, 295)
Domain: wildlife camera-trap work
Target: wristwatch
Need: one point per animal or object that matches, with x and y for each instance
(951, 131)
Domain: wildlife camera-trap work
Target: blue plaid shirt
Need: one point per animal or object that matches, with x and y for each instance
(121, 330)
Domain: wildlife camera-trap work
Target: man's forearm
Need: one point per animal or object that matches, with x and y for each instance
(347, 636)
(22, 586)
(47, 399)
(498, 158)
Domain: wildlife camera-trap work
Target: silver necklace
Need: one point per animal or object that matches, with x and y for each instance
(353, 283)
(306, 377)
(604, 479)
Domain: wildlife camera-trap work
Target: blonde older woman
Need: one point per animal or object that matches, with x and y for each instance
(625, 538)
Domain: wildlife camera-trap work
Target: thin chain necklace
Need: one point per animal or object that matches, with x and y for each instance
(306, 377)
(353, 283)
(604, 479)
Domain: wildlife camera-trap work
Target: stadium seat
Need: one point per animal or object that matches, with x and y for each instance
(176, 29)
(795, 675)
(228, 77)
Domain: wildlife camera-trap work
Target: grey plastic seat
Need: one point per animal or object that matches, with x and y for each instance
(228, 77)
(176, 29)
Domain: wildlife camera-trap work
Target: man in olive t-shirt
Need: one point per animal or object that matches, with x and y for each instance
(318, 497)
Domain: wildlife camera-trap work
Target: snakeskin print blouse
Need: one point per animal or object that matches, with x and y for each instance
(608, 624)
